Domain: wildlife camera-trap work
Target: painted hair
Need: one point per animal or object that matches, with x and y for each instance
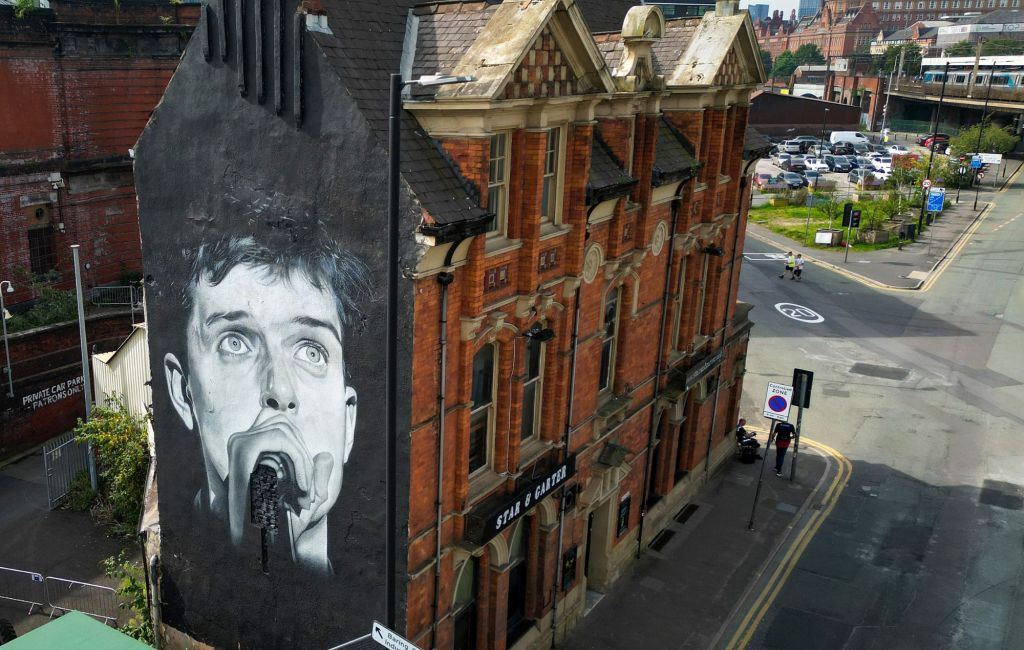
(316, 258)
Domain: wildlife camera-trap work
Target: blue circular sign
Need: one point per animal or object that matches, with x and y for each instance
(777, 403)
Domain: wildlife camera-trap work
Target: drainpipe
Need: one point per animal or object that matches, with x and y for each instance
(666, 296)
(725, 317)
(445, 279)
(565, 445)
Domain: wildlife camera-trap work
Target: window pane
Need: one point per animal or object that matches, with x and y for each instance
(545, 198)
(606, 360)
(610, 310)
(495, 205)
(483, 376)
(478, 439)
(41, 250)
(533, 354)
(529, 410)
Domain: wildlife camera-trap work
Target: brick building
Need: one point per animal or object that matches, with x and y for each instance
(78, 81)
(571, 349)
(840, 28)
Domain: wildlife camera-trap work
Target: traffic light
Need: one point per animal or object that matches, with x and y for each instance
(855, 219)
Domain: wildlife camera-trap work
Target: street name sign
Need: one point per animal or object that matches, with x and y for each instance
(389, 639)
(777, 401)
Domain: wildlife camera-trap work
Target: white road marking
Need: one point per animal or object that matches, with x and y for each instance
(799, 313)
(764, 257)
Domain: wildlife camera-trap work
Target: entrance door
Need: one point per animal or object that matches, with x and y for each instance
(595, 563)
(590, 529)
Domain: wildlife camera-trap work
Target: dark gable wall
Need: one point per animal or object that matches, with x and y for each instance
(213, 163)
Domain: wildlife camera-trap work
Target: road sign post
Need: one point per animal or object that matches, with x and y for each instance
(802, 380)
(760, 476)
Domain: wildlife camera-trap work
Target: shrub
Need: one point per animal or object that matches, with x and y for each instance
(80, 494)
(134, 596)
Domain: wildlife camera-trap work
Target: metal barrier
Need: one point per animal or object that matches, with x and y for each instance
(113, 296)
(23, 587)
(73, 596)
(63, 458)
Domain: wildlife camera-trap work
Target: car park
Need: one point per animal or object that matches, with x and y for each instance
(836, 163)
(793, 180)
(815, 164)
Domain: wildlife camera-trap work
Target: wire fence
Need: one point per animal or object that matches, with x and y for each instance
(23, 587)
(59, 594)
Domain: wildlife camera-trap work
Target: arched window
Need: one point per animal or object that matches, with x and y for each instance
(464, 606)
(481, 419)
(518, 624)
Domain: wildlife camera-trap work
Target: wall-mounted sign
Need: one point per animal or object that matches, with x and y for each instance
(703, 367)
(52, 394)
(496, 515)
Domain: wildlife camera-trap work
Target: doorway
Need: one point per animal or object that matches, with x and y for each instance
(595, 561)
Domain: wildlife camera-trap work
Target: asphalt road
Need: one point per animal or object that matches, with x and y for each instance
(924, 393)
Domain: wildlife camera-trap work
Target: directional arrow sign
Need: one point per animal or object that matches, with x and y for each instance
(777, 401)
(389, 639)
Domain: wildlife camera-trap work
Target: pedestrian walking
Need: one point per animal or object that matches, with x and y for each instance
(790, 264)
(784, 432)
(798, 267)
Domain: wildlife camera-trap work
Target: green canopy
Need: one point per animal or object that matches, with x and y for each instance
(74, 631)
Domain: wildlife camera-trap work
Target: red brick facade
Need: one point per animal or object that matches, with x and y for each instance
(91, 73)
(541, 274)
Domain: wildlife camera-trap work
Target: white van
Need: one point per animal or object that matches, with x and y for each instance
(853, 137)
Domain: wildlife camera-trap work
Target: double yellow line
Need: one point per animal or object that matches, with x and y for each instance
(771, 590)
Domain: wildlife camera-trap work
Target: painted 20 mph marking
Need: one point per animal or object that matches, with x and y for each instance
(799, 313)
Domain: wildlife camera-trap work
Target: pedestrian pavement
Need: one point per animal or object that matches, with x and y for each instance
(907, 267)
(55, 543)
(695, 591)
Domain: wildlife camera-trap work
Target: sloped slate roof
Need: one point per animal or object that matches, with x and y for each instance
(673, 156)
(444, 32)
(669, 49)
(605, 15)
(364, 49)
(755, 144)
(607, 177)
(611, 49)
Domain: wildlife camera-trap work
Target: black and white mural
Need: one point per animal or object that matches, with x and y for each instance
(261, 200)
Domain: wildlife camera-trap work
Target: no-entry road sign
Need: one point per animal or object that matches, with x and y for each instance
(777, 401)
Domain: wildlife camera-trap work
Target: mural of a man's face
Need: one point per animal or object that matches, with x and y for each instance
(265, 384)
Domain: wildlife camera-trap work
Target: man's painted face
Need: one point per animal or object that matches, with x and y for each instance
(266, 380)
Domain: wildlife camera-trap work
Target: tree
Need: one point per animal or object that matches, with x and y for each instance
(808, 54)
(994, 139)
(963, 48)
(1002, 47)
(784, 66)
(766, 60)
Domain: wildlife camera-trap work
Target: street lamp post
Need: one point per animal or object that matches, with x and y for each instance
(981, 131)
(7, 349)
(931, 148)
(391, 349)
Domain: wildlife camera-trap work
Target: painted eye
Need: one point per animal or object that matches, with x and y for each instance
(234, 344)
(312, 354)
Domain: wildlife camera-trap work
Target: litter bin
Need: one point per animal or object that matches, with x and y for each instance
(908, 230)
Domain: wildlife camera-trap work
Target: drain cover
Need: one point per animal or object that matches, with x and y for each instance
(884, 372)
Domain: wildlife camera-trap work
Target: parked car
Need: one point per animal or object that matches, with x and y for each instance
(836, 163)
(779, 158)
(791, 146)
(925, 137)
(855, 137)
(807, 138)
(861, 149)
(898, 150)
(815, 164)
(882, 164)
(939, 143)
(792, 180)
(842, 149)
(767, 182)
(864, 162)
(863, 178)
(814, 178)
(794, 164)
